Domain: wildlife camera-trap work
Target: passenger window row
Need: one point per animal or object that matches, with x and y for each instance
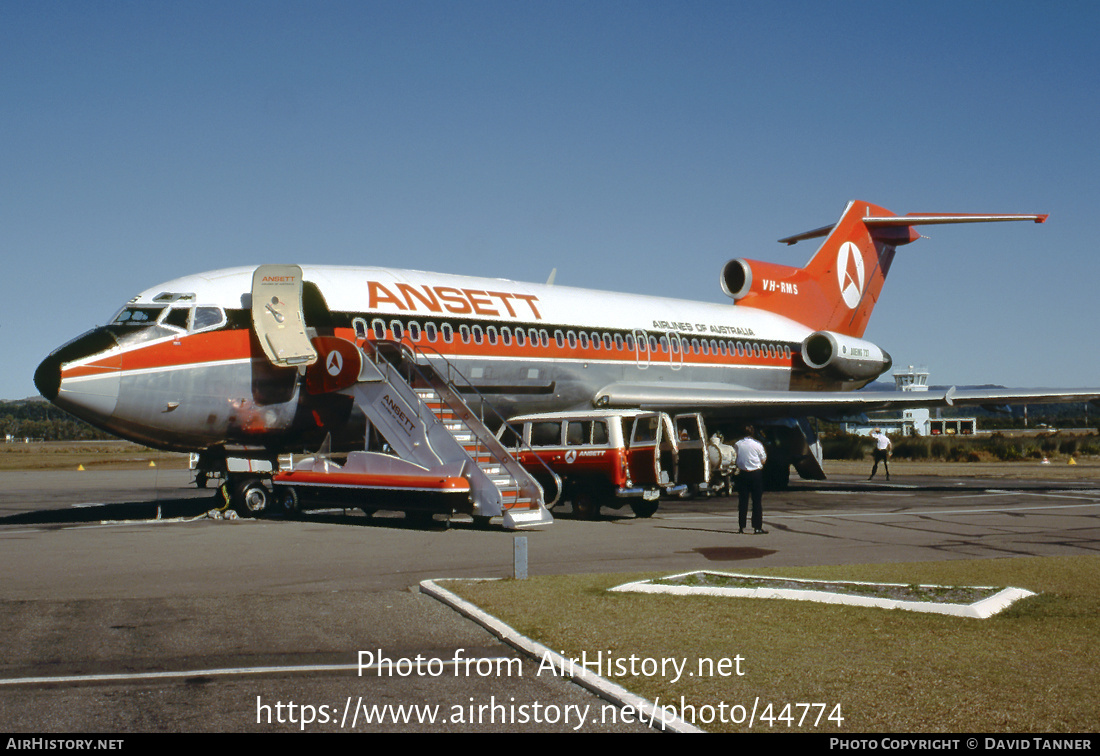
(432, 333)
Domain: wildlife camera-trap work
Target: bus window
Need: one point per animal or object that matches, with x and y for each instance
(578, 432)
(509, 438)
(599, 433)
(546, 434)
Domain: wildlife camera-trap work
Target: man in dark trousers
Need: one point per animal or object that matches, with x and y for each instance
(882, 452)
(750, 465)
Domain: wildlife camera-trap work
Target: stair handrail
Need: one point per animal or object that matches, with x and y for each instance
(501, 455)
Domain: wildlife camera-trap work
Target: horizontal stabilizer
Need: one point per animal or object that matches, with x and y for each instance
(920, 219)
(927, 219)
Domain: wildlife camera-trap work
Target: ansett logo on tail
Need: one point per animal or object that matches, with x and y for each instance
(850, 274)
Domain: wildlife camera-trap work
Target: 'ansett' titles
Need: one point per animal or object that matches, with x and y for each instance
(448, 298)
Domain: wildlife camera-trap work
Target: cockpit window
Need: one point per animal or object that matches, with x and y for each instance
(177, 317)
(138, 316)
(172, 296)
(207, 317)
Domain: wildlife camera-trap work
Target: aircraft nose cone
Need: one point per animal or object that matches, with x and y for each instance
(88, 389)
(47, 378)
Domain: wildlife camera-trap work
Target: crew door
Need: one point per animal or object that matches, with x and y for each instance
(641, 349)
(675, 353)
(277, 315)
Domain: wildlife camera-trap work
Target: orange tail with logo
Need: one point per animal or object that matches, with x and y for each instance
(838, 288)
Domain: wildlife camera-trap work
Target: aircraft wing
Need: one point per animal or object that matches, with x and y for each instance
(724, 399)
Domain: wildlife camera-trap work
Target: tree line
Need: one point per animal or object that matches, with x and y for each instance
(38, 419)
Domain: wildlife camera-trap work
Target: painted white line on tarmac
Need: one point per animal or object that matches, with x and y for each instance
(906, 513)
(236, 671)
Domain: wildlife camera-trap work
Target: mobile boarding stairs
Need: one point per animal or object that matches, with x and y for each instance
(445, 459)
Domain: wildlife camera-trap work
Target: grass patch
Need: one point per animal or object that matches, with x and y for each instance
(1032, 668)
(67, 455)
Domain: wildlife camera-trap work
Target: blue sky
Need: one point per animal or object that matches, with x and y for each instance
(634, 146)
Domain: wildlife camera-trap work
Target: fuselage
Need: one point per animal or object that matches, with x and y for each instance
(179, 367)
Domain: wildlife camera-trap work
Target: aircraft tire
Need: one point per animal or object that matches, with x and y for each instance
(252, 498)
(643, 508)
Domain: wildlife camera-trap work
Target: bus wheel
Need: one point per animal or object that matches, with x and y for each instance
(586, 506)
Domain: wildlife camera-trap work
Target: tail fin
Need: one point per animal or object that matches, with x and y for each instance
(840, 285)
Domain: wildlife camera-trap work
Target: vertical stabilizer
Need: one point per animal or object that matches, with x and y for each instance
(851, 266)
(840, 285)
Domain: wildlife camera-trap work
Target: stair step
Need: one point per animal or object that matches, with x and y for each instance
(470, 434)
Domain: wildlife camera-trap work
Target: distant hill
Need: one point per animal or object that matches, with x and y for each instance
(37, 418)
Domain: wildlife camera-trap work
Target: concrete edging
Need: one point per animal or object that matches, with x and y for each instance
(979, 610)
(656, 717)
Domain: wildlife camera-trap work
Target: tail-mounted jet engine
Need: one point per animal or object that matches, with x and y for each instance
(738, 277)
(844, 357)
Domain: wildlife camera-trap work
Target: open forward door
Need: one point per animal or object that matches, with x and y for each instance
(277, 315)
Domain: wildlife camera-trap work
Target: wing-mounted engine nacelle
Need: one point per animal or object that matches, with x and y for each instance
(844, 357)
(740, 275)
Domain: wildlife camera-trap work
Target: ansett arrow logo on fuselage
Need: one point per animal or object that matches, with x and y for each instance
(334, 363)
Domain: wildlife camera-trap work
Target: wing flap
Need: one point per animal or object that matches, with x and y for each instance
(731, 400)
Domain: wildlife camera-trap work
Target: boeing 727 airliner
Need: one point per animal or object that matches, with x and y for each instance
(243, 364)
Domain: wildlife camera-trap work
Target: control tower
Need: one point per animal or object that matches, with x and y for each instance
(914, 421)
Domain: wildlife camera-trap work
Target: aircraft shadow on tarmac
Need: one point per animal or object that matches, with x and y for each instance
(203, 507)
(200, 507)
(135, 511)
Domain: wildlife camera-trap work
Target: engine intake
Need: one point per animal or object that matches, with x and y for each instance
(737, 278)
(844, 357)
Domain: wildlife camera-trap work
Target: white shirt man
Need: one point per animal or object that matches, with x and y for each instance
(881, 453)
(750, 454)
(750, 464)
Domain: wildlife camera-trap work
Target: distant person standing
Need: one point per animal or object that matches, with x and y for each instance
(882, 452)
(750, 480)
